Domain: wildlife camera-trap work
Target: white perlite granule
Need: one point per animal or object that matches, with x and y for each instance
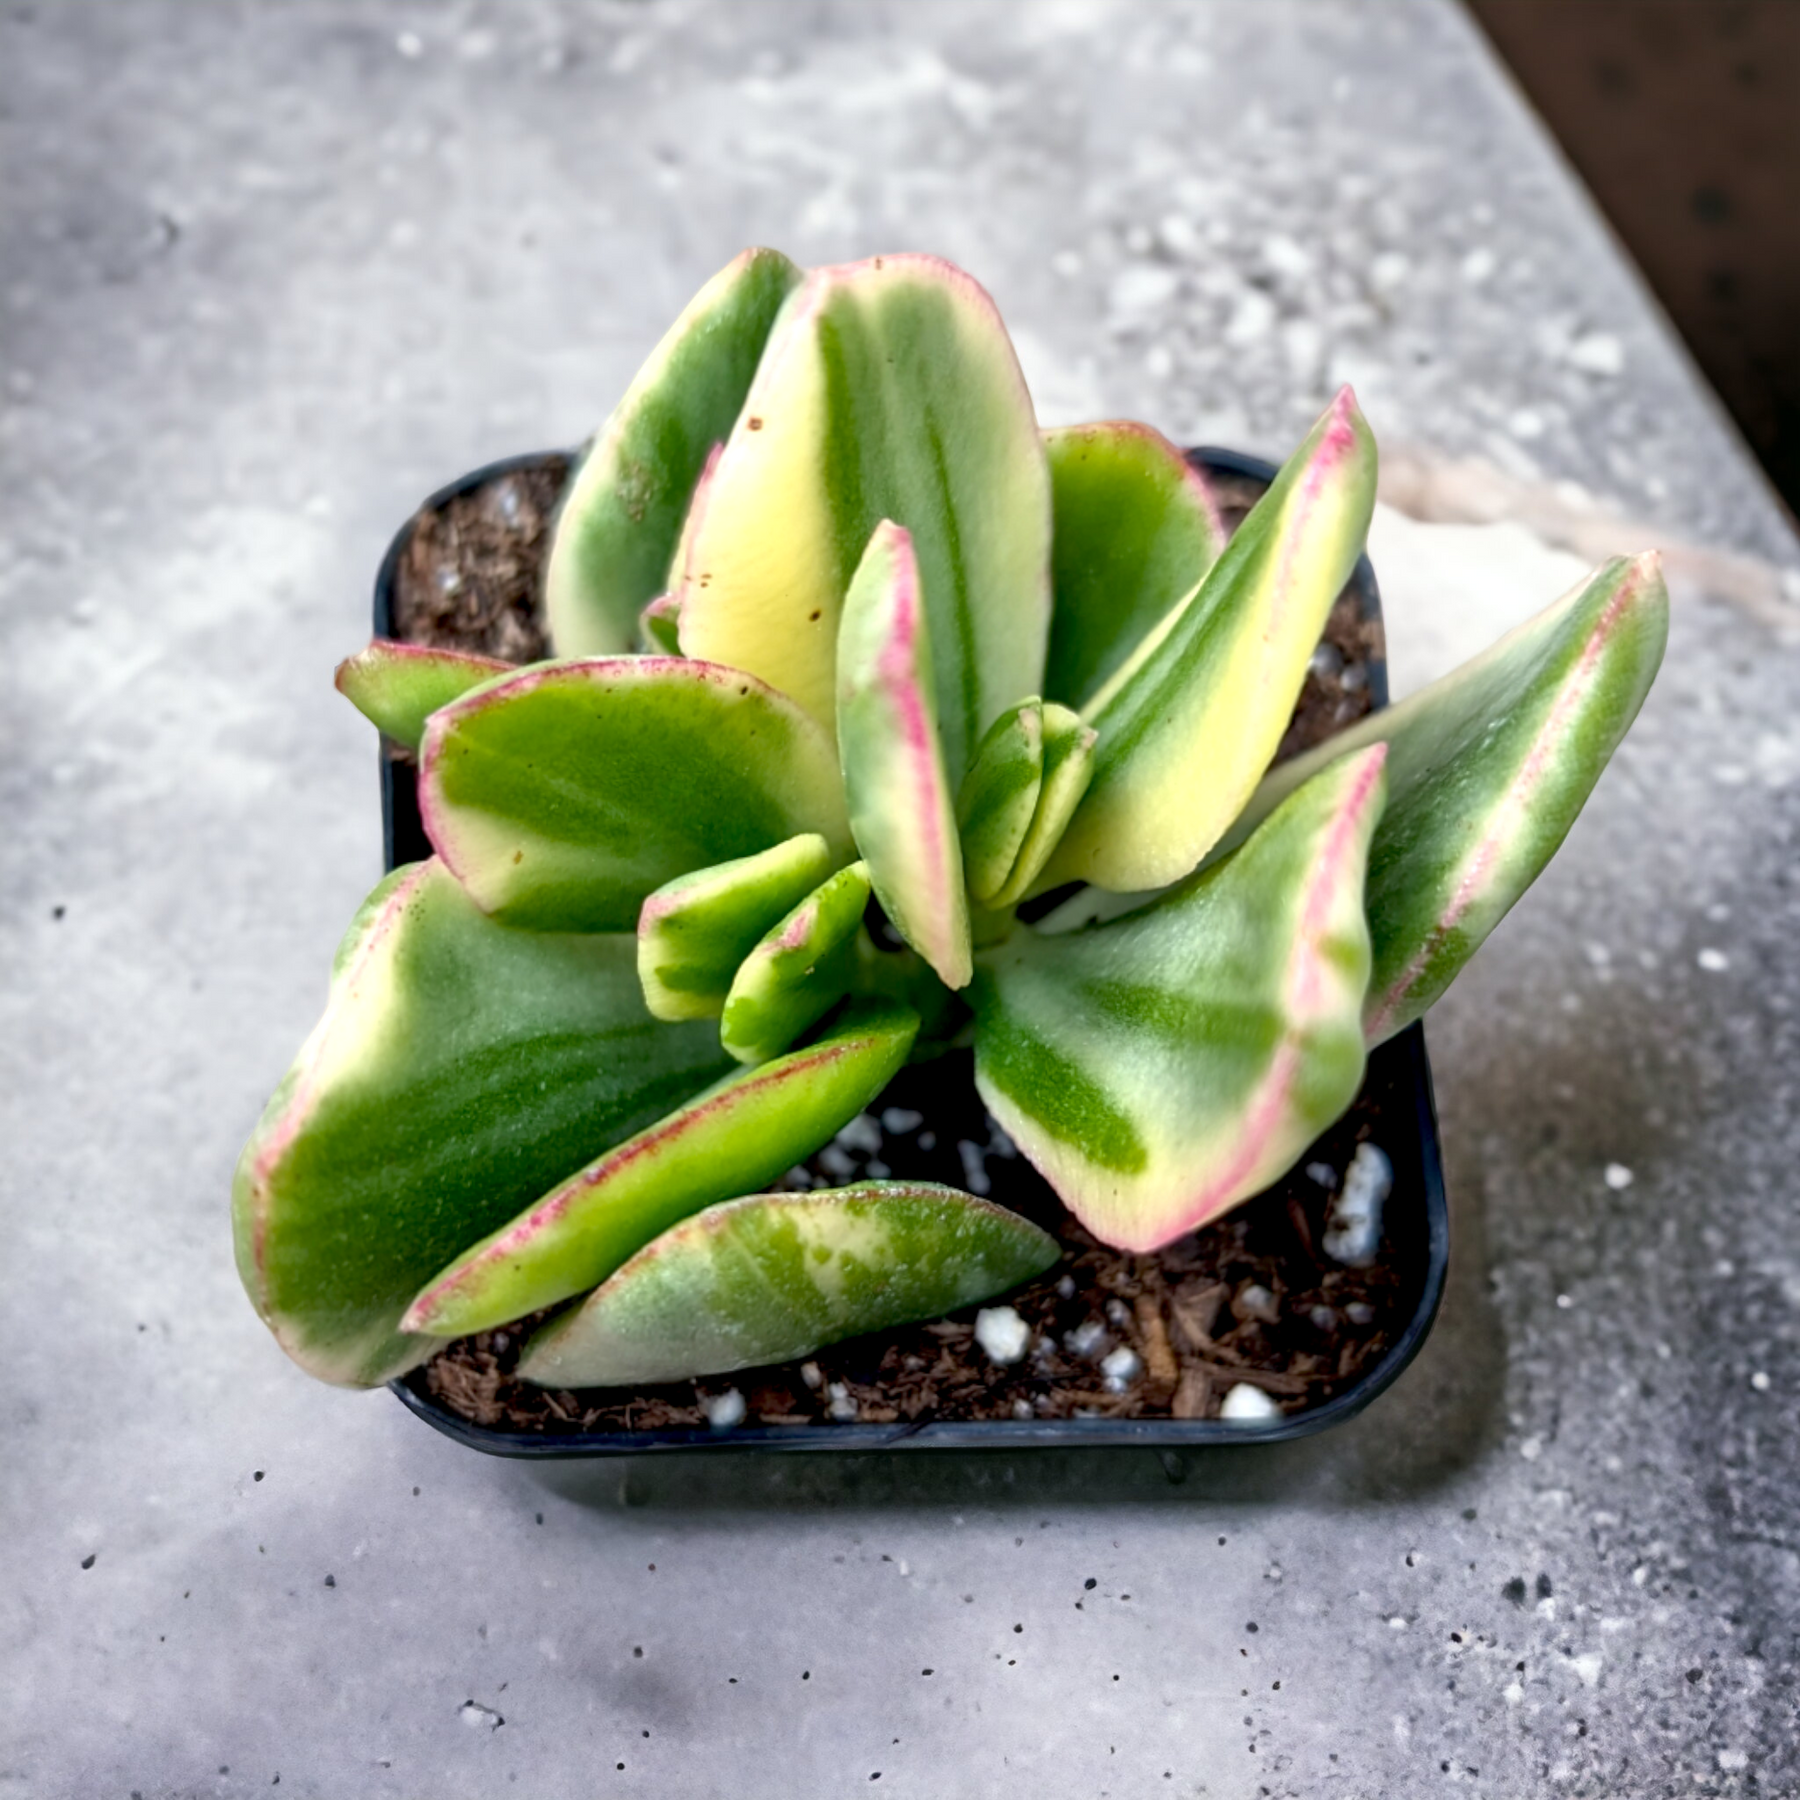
(1002, 1333)
(1353, 1225)
(724, 1410)
(975, 1177)
(862, 1134)
(1249, 1405)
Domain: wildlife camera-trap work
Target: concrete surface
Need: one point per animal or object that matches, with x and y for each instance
(271, 272)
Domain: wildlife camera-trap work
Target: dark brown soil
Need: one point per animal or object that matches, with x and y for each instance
(1251, 1299)
(469, 578)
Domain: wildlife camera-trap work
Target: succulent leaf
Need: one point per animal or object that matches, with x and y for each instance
(397, 687)
(798, 972)
(1135, 531)
(999, 796)
(901, 811)
(889, 390)
(696, 930)
(742, 1133)
(1162, 1068)
(621, 517)
(775, 1276)
(565, 795)
(1189, 723)
(1487, 770)
(1068, 768)
(460, 1069)
(659, 626)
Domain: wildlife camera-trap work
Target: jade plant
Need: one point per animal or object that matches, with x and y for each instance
(853, 662)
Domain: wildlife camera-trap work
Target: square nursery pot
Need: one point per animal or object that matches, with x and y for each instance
(495, 520)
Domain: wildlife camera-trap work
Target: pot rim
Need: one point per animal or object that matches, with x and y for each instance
(1406, 1053)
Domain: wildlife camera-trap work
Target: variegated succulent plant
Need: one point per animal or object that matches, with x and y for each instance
(836, 624)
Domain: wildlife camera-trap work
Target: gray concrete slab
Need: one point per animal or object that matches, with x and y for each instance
(271, 272)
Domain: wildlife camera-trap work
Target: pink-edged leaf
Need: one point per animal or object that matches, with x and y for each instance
(397, 687)
(564, 795)
(889, 390)
(1190, 721)
(736, 1136)
(902, 809)
(1161, 1068)
(1488, 769)
(621, 518)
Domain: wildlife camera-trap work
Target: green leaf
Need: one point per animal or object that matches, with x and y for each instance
(744, 1132)
(889, 390)
(1162, 1068)
(1487, 770)
(397, 687)
(999, 796)
(1191, 721)
(621, 516)
(899, 790)
(696, 930)
(798, 972)
(659, 626)
(460, 1069)
(776, 1276)
(565, 795)
(1136, 529)
(1068, 768)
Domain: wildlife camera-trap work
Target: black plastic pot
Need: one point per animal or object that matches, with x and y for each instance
(1417, 1212)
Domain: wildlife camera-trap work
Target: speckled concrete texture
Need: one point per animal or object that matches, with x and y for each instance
(270, 272)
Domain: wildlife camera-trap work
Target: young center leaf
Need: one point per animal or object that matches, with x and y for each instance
(397, 687)
(1487, 770)
(741, 1134)
(1068, 768)
(889, 390)
(798, 972)
(999, 796)
(901, 802)
(775, 1276)
(659, 626)
(1190, 721)
(461, 1068)
(696, 930)
(620, 519)
(1161, 1068)
(1135, 531)
(563, 797)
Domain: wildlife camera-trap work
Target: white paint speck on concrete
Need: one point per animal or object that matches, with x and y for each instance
(1599, 353)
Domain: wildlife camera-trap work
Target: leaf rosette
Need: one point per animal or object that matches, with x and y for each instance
(850, 654)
